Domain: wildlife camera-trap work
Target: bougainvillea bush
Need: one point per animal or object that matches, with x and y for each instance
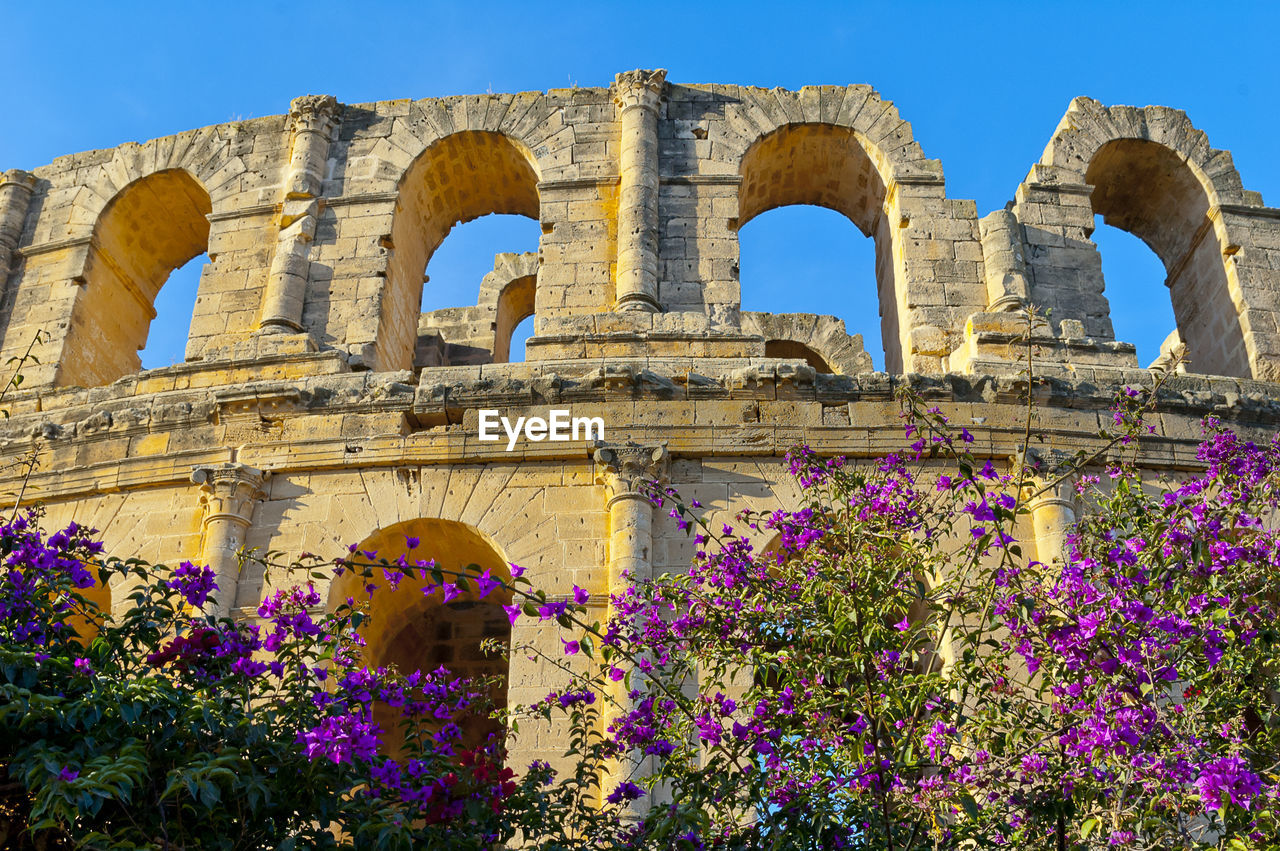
(164, 728)
(894, 671)
(899, 672)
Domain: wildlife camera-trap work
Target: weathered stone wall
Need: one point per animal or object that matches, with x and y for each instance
(318, 407)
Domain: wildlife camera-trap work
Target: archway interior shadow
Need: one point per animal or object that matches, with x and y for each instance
(151, 227)
(413, 631)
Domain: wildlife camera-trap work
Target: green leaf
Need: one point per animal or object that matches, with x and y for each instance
(1088, 827)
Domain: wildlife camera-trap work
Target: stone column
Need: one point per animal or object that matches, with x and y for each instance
(1053, 510)
(16, 187)
(313, 119)
(1006, 267)
(624, 470)
(637, 95)
(228, 494)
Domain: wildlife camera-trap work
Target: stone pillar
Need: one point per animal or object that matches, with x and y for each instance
(1053, 510)
(624, 470)
(637, 95)
(16, 187)
(313, 119)
(228, 494)
(1007, 288)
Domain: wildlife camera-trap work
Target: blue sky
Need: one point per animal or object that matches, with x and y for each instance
(983, 84)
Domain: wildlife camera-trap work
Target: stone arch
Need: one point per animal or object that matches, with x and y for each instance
(63, 239)
(847, 149)
(209, 155)
(821, 164)
(151, 227)
(515, 305)
(514, 294)
(414, 631)
(1150, 172)
(457, 178)
(1150, 191)
(821, 341)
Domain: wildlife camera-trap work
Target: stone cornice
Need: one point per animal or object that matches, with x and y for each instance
(403, 426)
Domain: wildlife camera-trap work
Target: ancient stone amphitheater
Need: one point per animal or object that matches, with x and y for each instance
(318, 406)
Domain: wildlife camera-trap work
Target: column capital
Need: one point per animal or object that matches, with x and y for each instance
(625, 468)
(24, 180)
(641, 88)
(1047, 465)
(230, 490)
(314, 114)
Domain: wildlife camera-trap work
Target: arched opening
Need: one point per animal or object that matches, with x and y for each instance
(1150, 191)
(807, 259)
(175, 305)
(417, 632)
(463, 260)
(459, 327)
(153, 226)
(515, 320)
(1133, 274)
(457, 179)
(794, 350)
(809, 252)
(519, 336)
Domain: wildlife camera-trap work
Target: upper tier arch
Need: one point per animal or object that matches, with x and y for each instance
(1151, 172)
(847, 149)
(426, 166)
(461, 177)
(151, 227)
(133, 214)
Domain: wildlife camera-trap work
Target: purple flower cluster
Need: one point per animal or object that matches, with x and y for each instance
(342, 738)
(289, 611)
(39, 577)
(194, 584)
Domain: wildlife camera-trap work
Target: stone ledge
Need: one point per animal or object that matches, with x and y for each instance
(91, 422)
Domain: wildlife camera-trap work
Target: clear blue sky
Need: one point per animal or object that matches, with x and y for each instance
(983, 84)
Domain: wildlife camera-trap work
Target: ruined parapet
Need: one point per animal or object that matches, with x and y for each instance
(481, 333)
(821, 341)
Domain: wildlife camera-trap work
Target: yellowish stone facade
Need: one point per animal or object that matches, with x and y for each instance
(318, 407)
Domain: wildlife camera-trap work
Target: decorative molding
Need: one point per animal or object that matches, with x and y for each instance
(257, 402)
(23, 180)
(1046, 466)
